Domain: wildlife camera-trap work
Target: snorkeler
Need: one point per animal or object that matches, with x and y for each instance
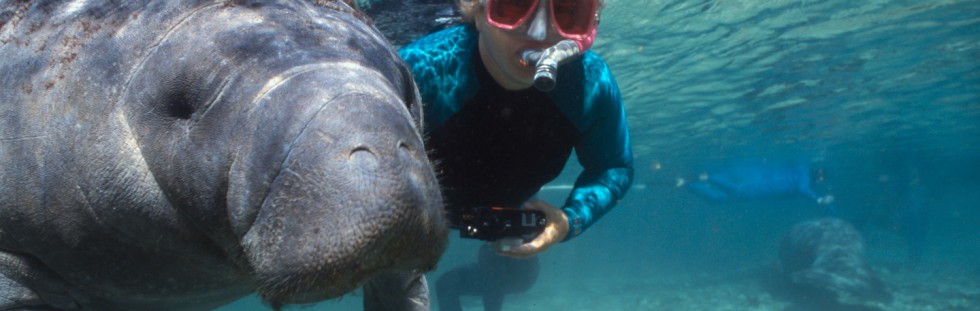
(497, 139)
(760, 181)
(507, 96)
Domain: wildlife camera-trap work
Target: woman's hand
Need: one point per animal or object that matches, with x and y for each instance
(554, 232)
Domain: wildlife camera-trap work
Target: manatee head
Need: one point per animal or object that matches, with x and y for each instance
(354, 197)
(301, 128)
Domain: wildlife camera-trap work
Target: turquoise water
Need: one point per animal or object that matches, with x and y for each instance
(877, 92)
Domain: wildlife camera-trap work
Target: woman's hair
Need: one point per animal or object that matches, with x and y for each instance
(469, 9)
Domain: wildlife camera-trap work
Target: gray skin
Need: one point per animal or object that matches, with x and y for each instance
(827, 255)
(182, 154)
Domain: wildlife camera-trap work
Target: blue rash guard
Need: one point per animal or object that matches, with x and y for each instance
(761, 181)
(495, 147)
(756, 181)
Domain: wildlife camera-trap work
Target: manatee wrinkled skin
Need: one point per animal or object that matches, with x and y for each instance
(827, 255)
(182, 154)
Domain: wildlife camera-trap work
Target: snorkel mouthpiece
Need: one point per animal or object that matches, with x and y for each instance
(546, 62)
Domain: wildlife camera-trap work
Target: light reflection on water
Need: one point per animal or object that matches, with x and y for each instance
(709, 80)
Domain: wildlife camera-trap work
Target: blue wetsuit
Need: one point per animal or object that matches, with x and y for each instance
(756, 181)
(495, 147)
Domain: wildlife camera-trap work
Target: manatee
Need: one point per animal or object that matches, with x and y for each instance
(826, 255)
(179, 155)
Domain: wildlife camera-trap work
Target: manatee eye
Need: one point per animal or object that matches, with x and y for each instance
(180, 109)
(179, 98)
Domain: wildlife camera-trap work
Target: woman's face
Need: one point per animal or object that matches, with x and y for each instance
(500, 49)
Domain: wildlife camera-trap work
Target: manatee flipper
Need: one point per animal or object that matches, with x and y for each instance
(27, 285)
(397, 292)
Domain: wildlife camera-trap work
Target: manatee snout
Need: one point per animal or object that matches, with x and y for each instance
(354, 198)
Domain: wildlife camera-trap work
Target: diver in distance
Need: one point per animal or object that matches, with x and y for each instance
(760, 181)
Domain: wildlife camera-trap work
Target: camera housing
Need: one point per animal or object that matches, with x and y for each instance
(494, 223)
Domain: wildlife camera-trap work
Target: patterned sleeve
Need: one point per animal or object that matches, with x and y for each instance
(442, 69)
(604, 152)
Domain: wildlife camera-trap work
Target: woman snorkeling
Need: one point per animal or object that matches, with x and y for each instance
(497, 139)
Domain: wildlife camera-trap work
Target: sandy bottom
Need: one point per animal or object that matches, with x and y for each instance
(912, 289)
(923, 289)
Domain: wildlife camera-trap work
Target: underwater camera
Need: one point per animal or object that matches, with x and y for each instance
(494, 223)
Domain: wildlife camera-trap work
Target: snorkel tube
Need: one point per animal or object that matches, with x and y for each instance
(546, 62)
(577, 39)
